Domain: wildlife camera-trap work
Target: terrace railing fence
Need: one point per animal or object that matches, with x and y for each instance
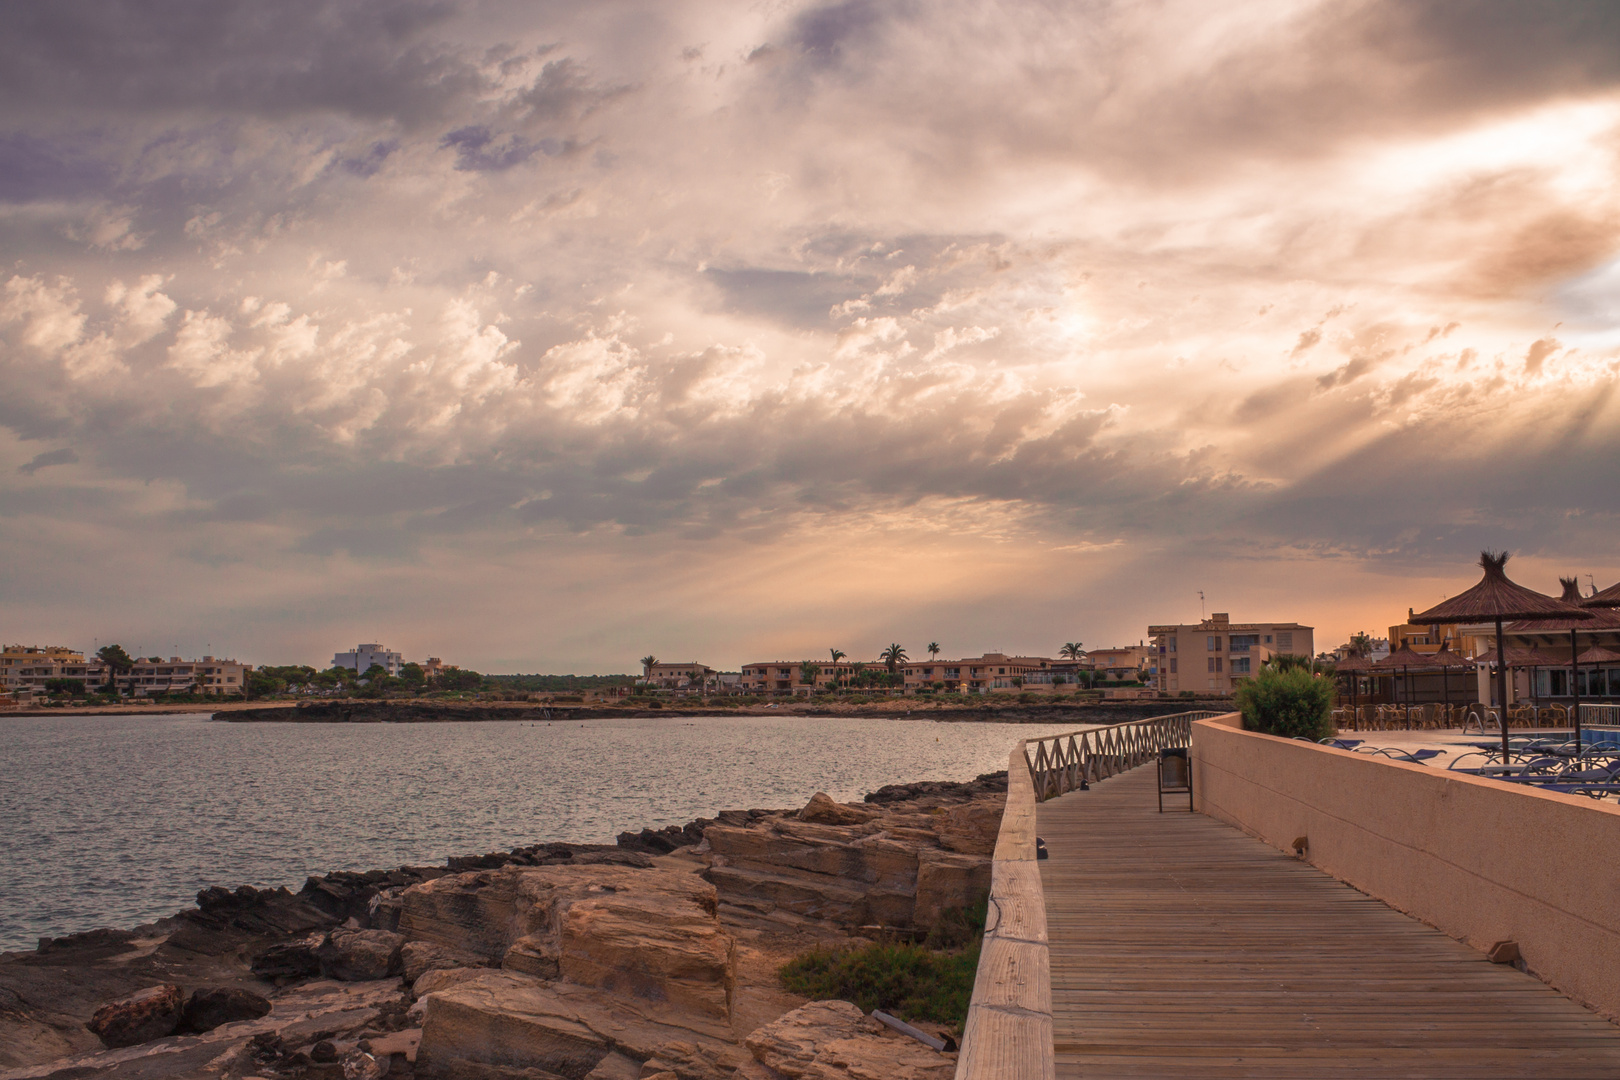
(1063, 763)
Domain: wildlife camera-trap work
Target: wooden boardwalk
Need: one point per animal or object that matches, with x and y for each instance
(1182, 947)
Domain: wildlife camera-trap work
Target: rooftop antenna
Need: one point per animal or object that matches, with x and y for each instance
(1593, 584)
(1200, 605)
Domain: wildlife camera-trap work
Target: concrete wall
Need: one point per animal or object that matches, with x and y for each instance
(1481, 860)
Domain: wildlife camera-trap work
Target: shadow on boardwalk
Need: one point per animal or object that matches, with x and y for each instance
(1182, 947)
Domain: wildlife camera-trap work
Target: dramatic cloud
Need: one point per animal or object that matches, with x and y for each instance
(536, 336)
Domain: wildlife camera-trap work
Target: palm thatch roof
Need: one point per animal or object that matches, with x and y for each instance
(1598, 654)
(1523, 658)
(1405, 657)
(1495, 597)
(1445, 658)
(1609, 597)
(1596, 619)
(1352, 663)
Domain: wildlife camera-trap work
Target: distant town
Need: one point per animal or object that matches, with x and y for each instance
(1413, 663)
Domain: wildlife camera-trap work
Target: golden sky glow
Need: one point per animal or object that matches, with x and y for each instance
(542, 336)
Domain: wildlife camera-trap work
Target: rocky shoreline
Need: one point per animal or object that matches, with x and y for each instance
(410, 712)
(655, 956)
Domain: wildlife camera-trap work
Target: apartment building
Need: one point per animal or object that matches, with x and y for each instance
(787, 676)
(210, 675)
(1212, 656)
(29, 668)
(678, 676)
(26, 668)
(992, 671)
(1125, 662)
(360, 660)
(977, 674)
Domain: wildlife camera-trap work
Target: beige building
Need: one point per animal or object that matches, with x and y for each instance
(978, 674)
(1122, 663)
(680, 676)
(26, 668)
(1210, 657)
(209, 675)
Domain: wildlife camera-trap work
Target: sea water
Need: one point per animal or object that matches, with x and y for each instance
(119, 820)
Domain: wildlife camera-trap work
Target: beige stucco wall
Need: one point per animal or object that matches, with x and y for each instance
(1481, 860)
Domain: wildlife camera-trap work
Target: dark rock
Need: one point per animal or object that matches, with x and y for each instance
(360, 955)
(143, 1016)
(323, 1052)
(615, 858)
(941, 790)
(113, 941)
(663, 841)
(290, 960)
(209, 1008)
(226, 920)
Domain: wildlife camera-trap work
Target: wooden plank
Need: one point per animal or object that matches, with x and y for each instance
(1008, 1035)
(1181, 947)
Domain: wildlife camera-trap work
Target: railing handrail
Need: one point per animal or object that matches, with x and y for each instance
(1008, 1035)
(1077, 758)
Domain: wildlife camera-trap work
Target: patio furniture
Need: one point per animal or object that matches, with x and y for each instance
(1175, 775)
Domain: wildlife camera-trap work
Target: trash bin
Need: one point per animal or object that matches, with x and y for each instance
(1175, 774)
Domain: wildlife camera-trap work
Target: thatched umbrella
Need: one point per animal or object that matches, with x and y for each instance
(1448, 661)
(1405, 658)
(1352, 666)
(1609, 597)
(1496, 599)
(1599, 654)
(1572, 597)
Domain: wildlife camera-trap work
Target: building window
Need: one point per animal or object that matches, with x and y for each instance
(1240, 665)
(1285, 641)
(1172, 665)
(1244, 642)
(1268, 639)
(1214, 664)
(1213, 644)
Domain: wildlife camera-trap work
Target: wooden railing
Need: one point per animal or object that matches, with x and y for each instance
(1008, 1035)
(1063, 763)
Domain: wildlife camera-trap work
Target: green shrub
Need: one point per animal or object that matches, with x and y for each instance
(1288, 703)
(909, 981)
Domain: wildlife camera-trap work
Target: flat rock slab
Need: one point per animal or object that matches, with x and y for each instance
(516, 1021)
(834, 1040)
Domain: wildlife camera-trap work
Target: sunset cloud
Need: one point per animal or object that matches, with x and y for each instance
(538, 337)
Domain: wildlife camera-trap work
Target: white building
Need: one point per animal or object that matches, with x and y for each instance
(360, 660)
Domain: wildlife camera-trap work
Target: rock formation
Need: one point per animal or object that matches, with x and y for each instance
(892, 865)
(655, 957)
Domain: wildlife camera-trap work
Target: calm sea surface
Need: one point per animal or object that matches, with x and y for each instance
(118, 820)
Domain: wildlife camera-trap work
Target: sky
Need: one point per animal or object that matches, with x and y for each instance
(539, 337)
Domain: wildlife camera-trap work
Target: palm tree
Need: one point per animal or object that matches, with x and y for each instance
(809, 671)
(1071, 650)
(837, 655)
(893, 657)
(933, 651)
(1360, 644)
(647, 662)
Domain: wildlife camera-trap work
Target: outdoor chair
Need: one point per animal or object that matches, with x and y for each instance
(1395, 753)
